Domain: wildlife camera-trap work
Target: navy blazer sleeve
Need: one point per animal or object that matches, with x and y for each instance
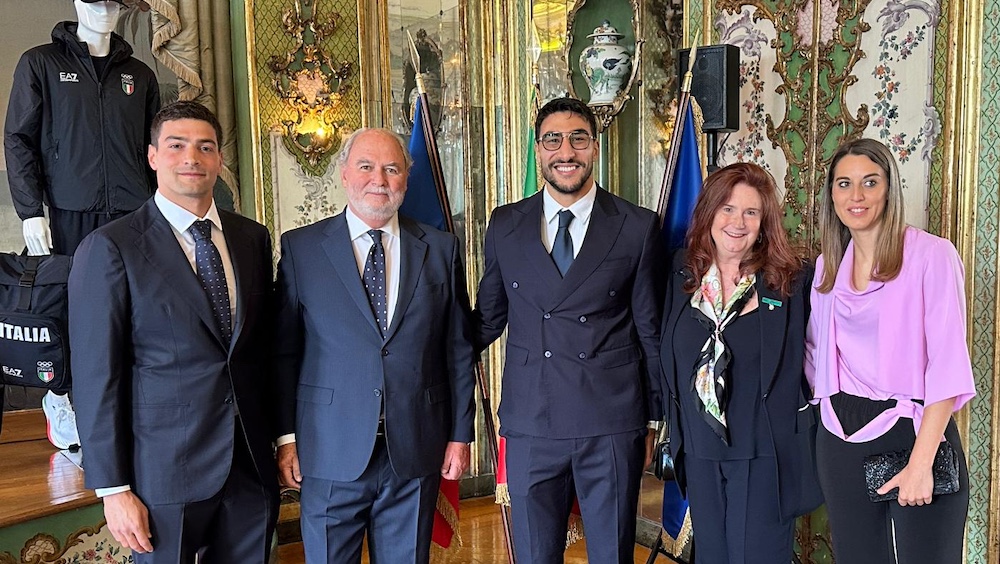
(100, 333)
(647, 308)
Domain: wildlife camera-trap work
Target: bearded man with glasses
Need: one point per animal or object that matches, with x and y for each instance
(576, 275)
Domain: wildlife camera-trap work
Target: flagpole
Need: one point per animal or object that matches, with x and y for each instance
(491, 432)
(675, 137)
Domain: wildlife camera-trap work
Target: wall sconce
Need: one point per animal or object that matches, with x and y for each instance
(311, 85)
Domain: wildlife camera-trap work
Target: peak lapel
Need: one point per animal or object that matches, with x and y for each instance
(602, 233)
(527, 231)
(158, 244)
(340, 251)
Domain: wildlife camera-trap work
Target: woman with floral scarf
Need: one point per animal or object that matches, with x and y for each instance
(732, 355)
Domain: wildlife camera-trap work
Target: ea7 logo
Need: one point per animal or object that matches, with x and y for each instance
(68, 77)
(15, 372)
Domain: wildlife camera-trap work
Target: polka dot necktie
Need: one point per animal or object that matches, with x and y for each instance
(562, 247)
(208, 263)
(374, 279)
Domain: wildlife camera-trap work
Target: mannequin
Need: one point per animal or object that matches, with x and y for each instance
(75, 139)
(96, 21)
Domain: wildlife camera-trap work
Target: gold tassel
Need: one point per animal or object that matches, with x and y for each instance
(502, 495)
(574, 529)
(446, 510)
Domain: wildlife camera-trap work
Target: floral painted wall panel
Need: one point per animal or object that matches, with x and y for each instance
(757, 100)
(301, 198)
(813, 74)
(895, 82)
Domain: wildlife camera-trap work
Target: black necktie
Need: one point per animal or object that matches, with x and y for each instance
(562, 247)
(374, 279)
(208, 264)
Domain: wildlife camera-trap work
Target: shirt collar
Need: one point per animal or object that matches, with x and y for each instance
(581, 208)
(180, 218)
(358, 228)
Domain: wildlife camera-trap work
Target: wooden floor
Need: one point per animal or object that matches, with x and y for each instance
(482, 541)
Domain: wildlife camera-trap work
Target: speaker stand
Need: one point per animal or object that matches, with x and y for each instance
(712, 148)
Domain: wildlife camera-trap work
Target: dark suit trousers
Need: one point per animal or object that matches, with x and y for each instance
(397, 514)
(604, 473)
(861, 529)
(734, 509)
(235, 526)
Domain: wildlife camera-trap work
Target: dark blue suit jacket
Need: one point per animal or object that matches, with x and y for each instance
(582, 351)
(156, 392)
(791, 422)
(335, 369)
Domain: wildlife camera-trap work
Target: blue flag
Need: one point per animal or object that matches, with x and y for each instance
(423, 201)
(685, 188)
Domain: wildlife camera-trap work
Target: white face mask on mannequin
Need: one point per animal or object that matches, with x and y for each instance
(97, 17)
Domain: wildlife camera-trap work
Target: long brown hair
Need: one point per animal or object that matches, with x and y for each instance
(834, 235)
(771, 255)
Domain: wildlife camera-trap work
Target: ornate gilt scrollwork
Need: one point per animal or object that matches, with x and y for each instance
(311, 84)
(817, 46)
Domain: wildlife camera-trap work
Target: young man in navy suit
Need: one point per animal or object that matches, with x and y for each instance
(171, 332)
(375, 363)
(576, 275)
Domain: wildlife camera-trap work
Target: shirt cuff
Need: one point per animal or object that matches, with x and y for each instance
(285, 440)
(103, 492)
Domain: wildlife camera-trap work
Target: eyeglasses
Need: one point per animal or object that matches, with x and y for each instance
(578, 140)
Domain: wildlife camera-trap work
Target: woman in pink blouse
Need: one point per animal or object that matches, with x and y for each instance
(887, 358)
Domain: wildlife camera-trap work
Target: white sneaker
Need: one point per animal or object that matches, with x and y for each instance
(60, 421)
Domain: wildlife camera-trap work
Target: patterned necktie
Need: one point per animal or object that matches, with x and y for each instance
(208, 264)
(374, 279)
(562, 247)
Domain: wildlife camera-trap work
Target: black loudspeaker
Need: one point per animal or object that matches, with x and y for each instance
(715, 83)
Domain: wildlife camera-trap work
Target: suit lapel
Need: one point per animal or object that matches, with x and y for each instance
(412, 251)
(340, 251)
(773, 321)
(158, 244)
(602, 233)
(527, 232)
(242, 259)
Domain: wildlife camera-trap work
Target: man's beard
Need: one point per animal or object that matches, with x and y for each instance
(550, 177)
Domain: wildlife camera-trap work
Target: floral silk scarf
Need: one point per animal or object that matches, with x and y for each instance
(711, 372)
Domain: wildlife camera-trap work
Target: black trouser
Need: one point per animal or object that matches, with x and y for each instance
(863, 530)
(70, 227)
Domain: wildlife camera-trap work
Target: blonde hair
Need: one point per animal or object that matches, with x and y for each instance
(834, 235)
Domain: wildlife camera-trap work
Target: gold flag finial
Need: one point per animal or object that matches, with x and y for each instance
(415, 58)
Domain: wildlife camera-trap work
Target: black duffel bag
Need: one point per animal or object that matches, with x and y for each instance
(34, 337)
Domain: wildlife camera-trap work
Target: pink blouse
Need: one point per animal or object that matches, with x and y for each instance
(904, 339)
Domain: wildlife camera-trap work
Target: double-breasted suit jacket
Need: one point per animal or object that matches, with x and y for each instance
(160, 399)
(336, 369)
(582, 351)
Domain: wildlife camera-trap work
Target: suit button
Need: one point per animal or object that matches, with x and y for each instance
(583, 356)
(548, 354)
(385, 352)
(513, 285)
(583, 319)
(378, 393)
(229, 400)
(612, 293)
(547, 316)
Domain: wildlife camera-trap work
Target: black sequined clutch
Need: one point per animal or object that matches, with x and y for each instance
(880, 468)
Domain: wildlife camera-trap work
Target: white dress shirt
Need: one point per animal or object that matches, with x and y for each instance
(581, 209)
(362, 244)
(180, 221)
